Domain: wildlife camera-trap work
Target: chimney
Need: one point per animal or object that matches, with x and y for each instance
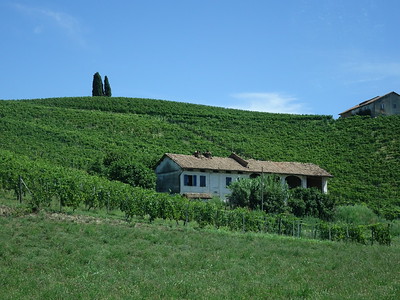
(239, 159)
(207, 154)
(197, 154)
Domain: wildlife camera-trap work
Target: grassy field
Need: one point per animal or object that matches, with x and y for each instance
(46, 256)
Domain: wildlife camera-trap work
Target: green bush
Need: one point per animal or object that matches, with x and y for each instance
(355, 214)
(381, 234)
(264, 192)
(311, 202)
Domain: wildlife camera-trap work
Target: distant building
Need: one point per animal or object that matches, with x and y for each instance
(204, 176)
(385, 105)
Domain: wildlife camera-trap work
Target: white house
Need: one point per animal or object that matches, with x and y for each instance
(204, 176)
(386, 105)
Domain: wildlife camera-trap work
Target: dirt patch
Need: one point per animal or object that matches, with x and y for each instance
(81, 219)
(5, 210)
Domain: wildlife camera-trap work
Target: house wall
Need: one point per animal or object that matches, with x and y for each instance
(356, 111)
(386, 106)
(168, 175)
(215, 182)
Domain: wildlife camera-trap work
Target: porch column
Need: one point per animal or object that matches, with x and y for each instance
(303, 181)
(324, 186)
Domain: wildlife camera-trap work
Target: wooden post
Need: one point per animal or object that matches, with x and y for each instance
(279, 225)
(372, 236)
(108, 202)
(293, 228)
(19, 196)
(266, 224)
(298, 228)
(262, 188)
(186, 215)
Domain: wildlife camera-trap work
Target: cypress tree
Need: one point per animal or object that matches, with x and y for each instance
(97, 85)
(107, 87)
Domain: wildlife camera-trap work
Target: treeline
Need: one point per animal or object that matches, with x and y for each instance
(74, 188)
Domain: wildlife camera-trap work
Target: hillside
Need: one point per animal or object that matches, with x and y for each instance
(362, 153)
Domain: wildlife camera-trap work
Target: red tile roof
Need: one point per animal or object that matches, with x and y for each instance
(236, 164)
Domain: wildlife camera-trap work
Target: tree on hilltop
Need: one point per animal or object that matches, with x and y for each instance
(97, 89)
(107, 87)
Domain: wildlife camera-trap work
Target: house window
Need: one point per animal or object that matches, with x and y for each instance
(394, 105)
(190, 180)
(202, 180)
(228, 181)
(382, 106)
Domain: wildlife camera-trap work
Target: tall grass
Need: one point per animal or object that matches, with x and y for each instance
(47, 259)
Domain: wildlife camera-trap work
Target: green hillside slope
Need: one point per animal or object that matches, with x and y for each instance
(363, 154)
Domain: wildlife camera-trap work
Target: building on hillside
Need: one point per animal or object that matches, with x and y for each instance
(385, 105)
(204, 176)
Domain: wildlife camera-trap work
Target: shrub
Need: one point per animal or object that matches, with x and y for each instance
(265, 192)
(297, 206)
(311, 202)
(355, 214)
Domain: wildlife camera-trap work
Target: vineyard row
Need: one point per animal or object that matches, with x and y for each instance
(74, 188)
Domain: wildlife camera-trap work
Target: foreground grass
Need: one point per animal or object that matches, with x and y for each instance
(49, 259)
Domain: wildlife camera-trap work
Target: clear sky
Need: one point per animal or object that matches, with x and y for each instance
(307, 57)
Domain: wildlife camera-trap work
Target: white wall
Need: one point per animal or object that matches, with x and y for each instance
(215, 183)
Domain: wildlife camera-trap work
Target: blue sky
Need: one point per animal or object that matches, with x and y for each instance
(306, 57)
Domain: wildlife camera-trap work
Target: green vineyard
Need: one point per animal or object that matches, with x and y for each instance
(362, 153)
(60, 147)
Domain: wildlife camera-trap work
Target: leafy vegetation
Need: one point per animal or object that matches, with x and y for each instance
(355, 214)
(75, 188)
(98, 153)
(361, 152)
(265, 192)
(311, 202)
(107, 87)
(97, 89)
